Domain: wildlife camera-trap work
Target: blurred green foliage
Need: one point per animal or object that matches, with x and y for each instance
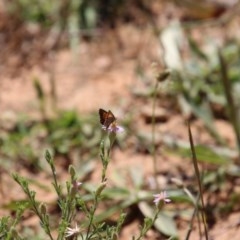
(89, 13)
(27, 140)
(200, 86)
(34, 10)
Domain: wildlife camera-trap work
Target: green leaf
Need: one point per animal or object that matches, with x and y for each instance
(204, 113)
(196, 50)
(207, 155)
(164, 223)
(137, 176)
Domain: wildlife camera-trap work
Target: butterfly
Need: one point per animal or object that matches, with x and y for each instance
(106, 117)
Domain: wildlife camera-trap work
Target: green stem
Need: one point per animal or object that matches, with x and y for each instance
(142, 234)
(92, 216)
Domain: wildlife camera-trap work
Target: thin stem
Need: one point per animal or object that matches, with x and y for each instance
(106, 158)
(92, 216)
(153, 134)
(192, 218)
(42, 219)
(194, 158)
(149, 226)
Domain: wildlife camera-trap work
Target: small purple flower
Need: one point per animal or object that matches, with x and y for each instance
(162, 196)
(114, 128)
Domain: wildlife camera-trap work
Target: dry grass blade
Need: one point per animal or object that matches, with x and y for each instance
(194, 158)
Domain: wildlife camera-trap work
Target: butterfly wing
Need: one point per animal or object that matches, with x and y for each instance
(103, 116)
(106, 118)
(110, 119)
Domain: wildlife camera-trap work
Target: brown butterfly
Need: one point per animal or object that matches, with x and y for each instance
(106, 118)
